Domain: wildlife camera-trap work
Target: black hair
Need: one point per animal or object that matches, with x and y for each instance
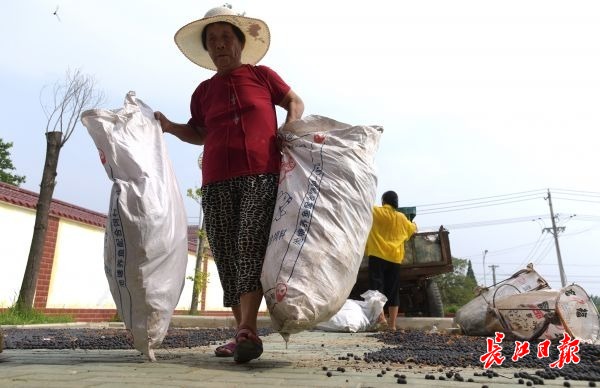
(390, 198)
(238, 33)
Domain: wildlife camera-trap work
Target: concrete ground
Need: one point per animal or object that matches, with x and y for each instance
(299, 364)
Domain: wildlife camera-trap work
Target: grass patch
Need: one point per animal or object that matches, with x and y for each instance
(451, 309)
(11, 316)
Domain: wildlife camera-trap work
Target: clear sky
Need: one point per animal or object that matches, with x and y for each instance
(485, 105)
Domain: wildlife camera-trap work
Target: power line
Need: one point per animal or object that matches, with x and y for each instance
(501, 221)
(488, 201)
(478, 199)
(497, 252)
(539, 251)
(543, 255)
(553, 277)
(473, 205)
(537, 255)
(496, 200)
(577, 200)
(587, 217)
(577, 192)
(534, 250)
(581, 231)
(504, 263)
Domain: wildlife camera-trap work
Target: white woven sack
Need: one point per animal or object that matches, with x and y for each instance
(356, 315)
(145, 245)
(477, 318)
(321, 221)
(350, 319)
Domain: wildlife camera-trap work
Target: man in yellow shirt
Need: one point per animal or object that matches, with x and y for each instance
(385, 249)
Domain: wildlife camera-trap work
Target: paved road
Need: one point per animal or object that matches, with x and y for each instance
(300, 365)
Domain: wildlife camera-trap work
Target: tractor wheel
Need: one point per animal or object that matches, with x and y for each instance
(434, 299)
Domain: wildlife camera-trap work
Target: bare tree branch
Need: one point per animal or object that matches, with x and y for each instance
(69, 98)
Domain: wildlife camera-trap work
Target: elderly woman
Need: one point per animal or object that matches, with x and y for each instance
(233, 116)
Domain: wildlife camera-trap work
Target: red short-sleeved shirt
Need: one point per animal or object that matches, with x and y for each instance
(238, 112)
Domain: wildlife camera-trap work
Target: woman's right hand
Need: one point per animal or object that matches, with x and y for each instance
(162, 119)
(184, 132)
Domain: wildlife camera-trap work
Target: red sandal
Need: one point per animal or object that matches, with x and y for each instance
(225, 350)
(248, 346)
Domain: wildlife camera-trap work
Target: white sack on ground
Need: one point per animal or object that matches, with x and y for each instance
(356, 315)
(321, 221)
(372, 305)
(351, 318)
(524, 307)
(145, 246)
(477, 317)
(549, 314)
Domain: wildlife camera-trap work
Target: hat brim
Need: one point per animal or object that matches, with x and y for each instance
(258, 38)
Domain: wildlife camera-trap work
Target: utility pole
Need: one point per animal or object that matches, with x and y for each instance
(484, 253)
(493, 267)
(555, 230)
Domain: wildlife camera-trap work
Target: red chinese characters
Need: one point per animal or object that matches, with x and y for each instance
(568, 349)
(493, 355)
(521, 350)
(543, 349)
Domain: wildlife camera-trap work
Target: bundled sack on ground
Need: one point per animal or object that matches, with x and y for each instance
(476, 317)
(145, 246)
(357, 315)
(321, 221)
(524, 312)
(548, 314)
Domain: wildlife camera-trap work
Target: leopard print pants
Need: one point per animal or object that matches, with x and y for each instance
(238, 214)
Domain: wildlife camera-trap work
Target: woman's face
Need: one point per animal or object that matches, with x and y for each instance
(224, 48)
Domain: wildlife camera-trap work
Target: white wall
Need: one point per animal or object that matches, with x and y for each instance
(78, 279)
(16, 230)
(185, 300)
(79, 265)
(214, 292)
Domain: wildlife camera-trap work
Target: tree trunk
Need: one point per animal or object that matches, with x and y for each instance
(27, 293)
(199, 260)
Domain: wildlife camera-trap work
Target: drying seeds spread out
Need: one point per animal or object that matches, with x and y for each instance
(455, 351)
(110, 338)
(447, 353)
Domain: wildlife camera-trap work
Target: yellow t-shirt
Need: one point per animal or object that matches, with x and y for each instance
(388, 233)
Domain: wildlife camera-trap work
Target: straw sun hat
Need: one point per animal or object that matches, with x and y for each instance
(258, 37)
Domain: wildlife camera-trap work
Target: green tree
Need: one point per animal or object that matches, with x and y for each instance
(6, 166)
(457, 287)
(596, 300)
(470, 273)
(200, 277)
